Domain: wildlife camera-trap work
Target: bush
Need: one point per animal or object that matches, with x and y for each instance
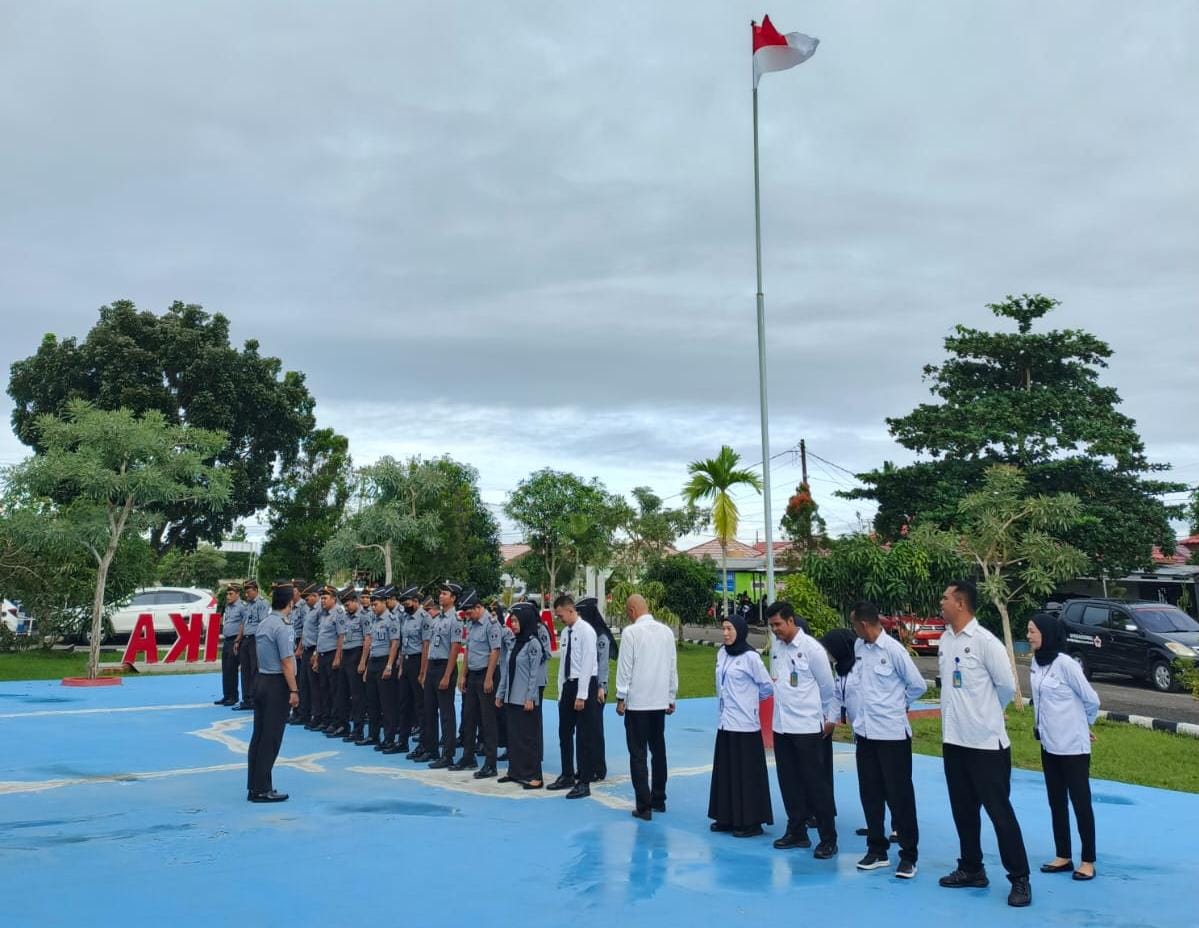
(687, 585)
(654, 593)
(808, 603)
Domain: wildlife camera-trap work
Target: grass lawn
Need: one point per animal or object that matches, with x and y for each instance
(37, 664)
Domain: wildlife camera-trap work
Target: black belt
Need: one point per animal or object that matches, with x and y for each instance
(346, 650)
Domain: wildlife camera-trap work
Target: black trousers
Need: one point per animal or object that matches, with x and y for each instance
(380, 700)
(439, 708)
(576, 728)
(600, 754)
(248, 664)
(645, 731)
(982, 779)
(270, 721)
(524, 742)
(478, 717)
(230, 662)
(353, 688)
(409, 699)
(304, 677)
(1068, 776)
(807, 791)
(885, 779)
(328, 686)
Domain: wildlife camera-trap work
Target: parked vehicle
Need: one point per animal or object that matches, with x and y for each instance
(1140, 639)
(160, 602)
(921, 633)
(14, 618)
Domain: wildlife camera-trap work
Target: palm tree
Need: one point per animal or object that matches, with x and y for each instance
(711, 480)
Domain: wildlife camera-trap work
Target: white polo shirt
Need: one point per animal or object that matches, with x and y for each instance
(804, 695)
(972, 714)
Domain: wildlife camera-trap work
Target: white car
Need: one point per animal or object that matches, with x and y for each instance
(160, 602)
(12, 616)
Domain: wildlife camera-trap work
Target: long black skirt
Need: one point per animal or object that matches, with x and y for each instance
(524, 742)
(740, 794)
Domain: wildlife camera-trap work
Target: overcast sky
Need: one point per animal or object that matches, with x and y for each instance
(540, 216)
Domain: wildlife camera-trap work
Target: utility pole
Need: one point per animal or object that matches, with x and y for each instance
(803, 459)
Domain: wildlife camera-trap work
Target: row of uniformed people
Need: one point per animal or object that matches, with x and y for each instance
(244, 611)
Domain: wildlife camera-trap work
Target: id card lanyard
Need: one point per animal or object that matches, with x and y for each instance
(957, 673)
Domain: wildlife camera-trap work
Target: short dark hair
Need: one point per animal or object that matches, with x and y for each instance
(968, 591)
(564, 599)
(281, 597)
(864, 611)
(783, 609)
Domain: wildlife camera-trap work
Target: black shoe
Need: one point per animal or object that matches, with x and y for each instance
(658, 806)
(526, 784)
(366, 741)
(244, 707)
(402, 747)
(389, 748)
(1057, 868)
(425, 757)
(442, 763)
(906, 870)
(644, 814)
(792, 839)
(1083, 877)
(272, 796)
(562, 783)
(415, 755)
(721, 828)
(862, 832)
(485, 772)
(312, 726)
(504, 779)
(336, 732)
(351, 735)
(825, 850)
(960, 879)
(580, 791)
(599, 777)
(381, 745)
(873, 861)
(296, 721)
(464, 764)
(811, 822)
(751, 832)
(1021, 894)
(222, 702)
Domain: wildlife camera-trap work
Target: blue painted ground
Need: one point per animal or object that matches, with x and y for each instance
(127, 806)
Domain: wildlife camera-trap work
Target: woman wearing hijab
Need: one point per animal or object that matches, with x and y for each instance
(606, 650)
(739, 800)
(1065, 707)
(520, 698)
(839, 644)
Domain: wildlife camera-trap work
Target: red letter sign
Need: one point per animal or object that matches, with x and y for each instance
(142, 641)
(212, 641)
(188, 638)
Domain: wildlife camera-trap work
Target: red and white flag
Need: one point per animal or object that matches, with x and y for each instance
(774, 51)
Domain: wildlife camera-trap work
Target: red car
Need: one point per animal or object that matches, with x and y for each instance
(921, 633)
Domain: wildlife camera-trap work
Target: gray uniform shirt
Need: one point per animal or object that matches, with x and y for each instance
(312, 624)
(525, 683)
(298, 612)
(446, 631)
(256, 610)
(235, 614)
(412, 631)
(383, 631)
(326, 635)
(543, 638)
(276, 643)
(353, 628)
(482, 638)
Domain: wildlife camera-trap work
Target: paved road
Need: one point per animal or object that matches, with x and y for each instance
(1116, 693)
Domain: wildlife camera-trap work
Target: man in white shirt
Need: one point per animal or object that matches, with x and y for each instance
(976, 685)
(887, 683)
(578, 699)
(647, 683)
(804, 699)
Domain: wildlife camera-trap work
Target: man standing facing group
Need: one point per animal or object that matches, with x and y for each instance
(254, 611)
(231, 623)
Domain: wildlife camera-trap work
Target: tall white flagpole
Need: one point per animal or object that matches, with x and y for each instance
(762, 368)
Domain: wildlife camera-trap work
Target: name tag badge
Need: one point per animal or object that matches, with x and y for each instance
(794, 678)
(957, 679)
(437, 641)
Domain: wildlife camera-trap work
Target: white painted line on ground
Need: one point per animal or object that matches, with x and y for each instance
(41, 713)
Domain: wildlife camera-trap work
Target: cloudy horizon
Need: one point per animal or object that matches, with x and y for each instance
(547, 213)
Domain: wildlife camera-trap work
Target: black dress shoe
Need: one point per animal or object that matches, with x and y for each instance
(792, 839)
(296, 721)
(1021, 894)
(413, 755)
(383, 745)
(504, 779)
(1083, 877)
(580, 791)
(221, 702)
(562, 783)
(657, 806)
(526, 784)
(862, 832)
(960, 879)
(485, 772)
(244, 707)
(1057, 868)
(752, 832)
(389, 749)
(272, 796)
(722, 827)
(442, 763)
(464, 765)
(644, 814)
(336, 732)
(825, 850)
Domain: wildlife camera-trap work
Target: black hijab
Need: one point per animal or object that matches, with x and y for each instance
(589, 609)
(527, 619)
(741, 643)
(839, 643)
(1053, 638)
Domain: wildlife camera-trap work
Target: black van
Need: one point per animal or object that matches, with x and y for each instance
(1141, 639)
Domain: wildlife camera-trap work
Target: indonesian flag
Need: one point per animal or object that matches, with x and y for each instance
(774, 51)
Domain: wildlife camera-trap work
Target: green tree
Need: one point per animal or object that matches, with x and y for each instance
(1011, 538)
(687, 584)
(564, 518)
(202, 568)
(808, 603)
(307, 505)
(650, 528)
(655, 598)
(1032, 400)
(182, 365)
(713, 479)
(530, 568)
(101, 474)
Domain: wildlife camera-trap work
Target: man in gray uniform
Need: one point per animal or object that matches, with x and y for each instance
(274, 693)
(254, 612)
(382, 672)
(310, 693)
(231, 624)
(352, 628)
(327, 662)
(478, 685)
(441, 672)
(411, 619)
(299, 715)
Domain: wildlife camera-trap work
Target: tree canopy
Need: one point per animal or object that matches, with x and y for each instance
(1033, 400)
(180, 364)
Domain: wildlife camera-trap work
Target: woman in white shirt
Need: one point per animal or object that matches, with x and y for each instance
(1065, 707)
(739, 800)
